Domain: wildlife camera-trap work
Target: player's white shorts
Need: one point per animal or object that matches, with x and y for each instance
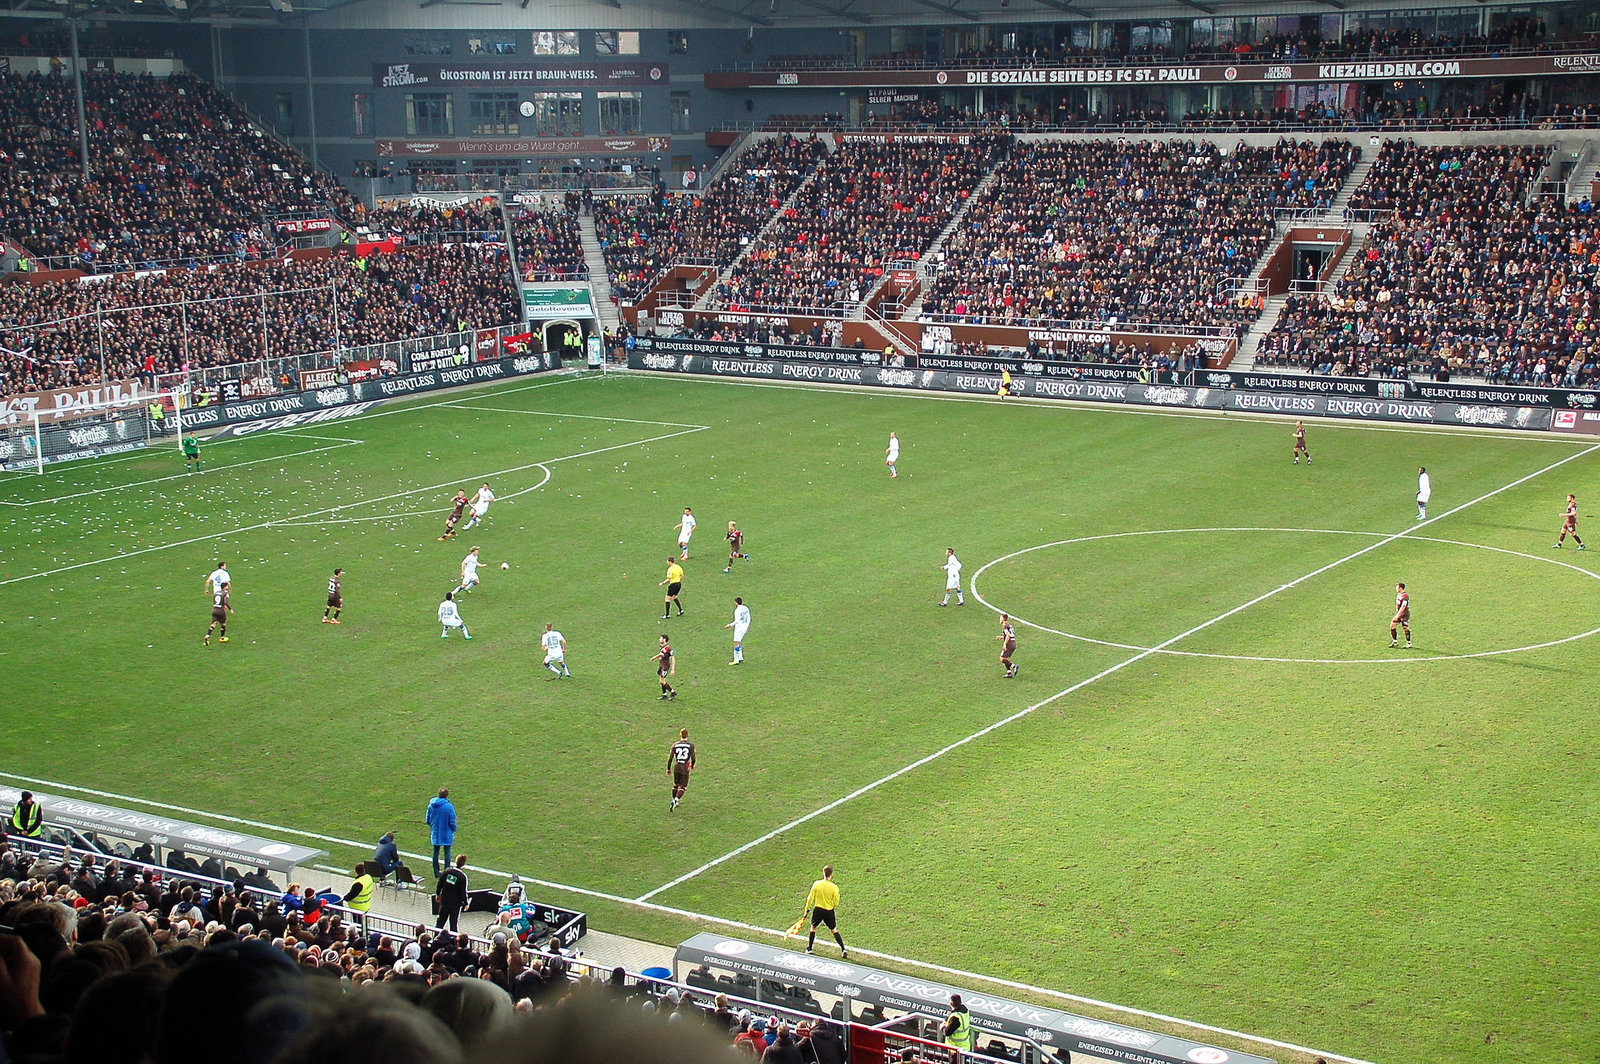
(554, 657)
(952, 583)
(468, 581)
(683, 540)
(480, 509)
(739, 631)
(455, 623)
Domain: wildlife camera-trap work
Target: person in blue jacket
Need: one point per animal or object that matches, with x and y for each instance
(441, 821)
(387, 855)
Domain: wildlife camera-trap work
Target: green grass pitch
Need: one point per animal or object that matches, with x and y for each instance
(1272, 823)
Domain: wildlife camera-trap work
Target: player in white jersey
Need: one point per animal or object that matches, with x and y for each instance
(480, 505)
(892, 455)
(218, 578)
(469, 572)
(555, 651)
(685, 530)
(740, 625)
(450, 617)
(1424, 492)
(952, 577)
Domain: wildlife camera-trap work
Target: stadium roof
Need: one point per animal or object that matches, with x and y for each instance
(664, 14)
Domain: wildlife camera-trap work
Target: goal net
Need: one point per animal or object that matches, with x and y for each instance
(86, 433)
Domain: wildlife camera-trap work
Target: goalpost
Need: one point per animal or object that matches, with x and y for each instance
(91, 431)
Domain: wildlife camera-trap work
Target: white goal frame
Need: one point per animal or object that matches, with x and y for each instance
(174, 400)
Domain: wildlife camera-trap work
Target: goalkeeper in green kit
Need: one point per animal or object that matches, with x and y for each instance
(191, 454)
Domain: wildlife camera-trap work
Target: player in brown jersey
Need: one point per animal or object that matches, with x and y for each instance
(1402, 616)
(460, 504)
(220, 608)
(1008, 645)
(680, 762)
(1569, 523)
(735, 540)
(666, 668)
(335, 599)
(1300, 443)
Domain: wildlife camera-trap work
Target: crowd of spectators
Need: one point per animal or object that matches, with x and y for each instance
(1523, 34)
(641, 236)
(427, 222)
(1145, 231)
(54, 335)
(99, 963)
(868, 205)
(1464, 272)
(178, 172)
(548, 243)
(1493, 111)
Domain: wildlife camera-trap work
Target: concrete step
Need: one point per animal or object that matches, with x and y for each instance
(599, 280)
(932, 250)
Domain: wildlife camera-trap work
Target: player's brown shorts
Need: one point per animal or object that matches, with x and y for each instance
(673, 589)
(335, 601)
(663, 673)
(680, 776)
(218, 613)
(1405, 615)
(1571, 524)
(1009, 649)
(736, 543)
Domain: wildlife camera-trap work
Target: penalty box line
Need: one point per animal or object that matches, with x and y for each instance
(1102, 674)
(721, 921)
(285, 521)
(54, 499)
(563, 377)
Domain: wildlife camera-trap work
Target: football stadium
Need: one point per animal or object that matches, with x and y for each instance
(835, 531)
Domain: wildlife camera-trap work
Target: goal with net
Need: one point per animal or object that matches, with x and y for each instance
(90, 432)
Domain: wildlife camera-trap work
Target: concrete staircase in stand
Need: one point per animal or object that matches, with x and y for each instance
(1587, 174)
(1272, 309)
(710, 294)
(599, 281)
(1334, 215)
(1245, 359)
(928, 253)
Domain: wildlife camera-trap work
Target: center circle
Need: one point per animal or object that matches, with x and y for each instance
(1139, 648)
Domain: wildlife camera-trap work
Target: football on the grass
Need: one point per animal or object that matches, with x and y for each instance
(505, 565)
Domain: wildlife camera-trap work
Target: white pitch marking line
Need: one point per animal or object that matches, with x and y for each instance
(562, 378)
(723, 921)
(1525, 435)
(146, 453)
(1274, 660)
(404, 514)
(1102, 674)
(336, 509)
(462, 405)
(180, 476)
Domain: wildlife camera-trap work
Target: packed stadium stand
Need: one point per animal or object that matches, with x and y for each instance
(867, 205)
(1143, 231)
(54, 335)
(178, 173)
(641, 236)
(548, 243)
(1463, 269)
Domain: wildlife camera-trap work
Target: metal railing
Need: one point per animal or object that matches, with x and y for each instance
(1212, 126)
(1155, 328)
(1203, 56)
(115, 263)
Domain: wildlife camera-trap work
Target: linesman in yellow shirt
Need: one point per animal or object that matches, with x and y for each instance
(823, 901)
(673, 583)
